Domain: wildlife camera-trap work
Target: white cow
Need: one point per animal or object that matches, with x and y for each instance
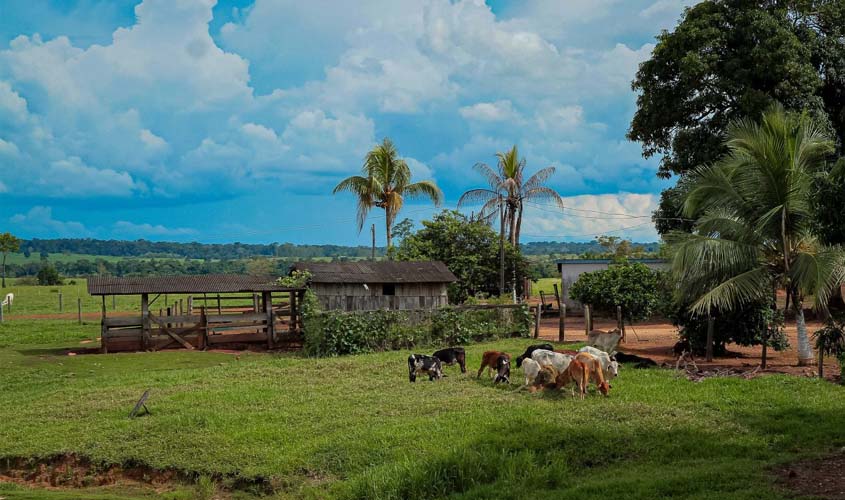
(609, 366)
(530, 369)
(560, 362)
(10, 298)
(606, 341)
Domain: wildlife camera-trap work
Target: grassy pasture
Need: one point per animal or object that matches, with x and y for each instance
(353, 427)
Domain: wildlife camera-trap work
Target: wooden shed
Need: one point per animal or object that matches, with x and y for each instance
(204, 311)
(368, 286)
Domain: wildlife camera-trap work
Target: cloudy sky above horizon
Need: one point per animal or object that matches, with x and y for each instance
(232, 120)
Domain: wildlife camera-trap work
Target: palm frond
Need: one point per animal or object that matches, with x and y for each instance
(425, 189)
(732, 293)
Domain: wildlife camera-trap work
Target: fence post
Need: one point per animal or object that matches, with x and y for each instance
(114, 302)
(620, 323)
(79, 309)
(709, 351)
(1, 313)
(60, 302)
(537, 322)
(190, 304)
(561, 327)
(587, 319)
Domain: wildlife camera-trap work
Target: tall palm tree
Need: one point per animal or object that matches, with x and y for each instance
(384, 182)
(507, 183)
(753, 230)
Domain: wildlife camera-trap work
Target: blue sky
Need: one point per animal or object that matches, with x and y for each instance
(232, 120)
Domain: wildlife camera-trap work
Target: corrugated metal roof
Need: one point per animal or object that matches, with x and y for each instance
(377, 272)
(207, 283)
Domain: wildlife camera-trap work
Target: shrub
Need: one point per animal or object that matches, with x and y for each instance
(632, 286)
(48, 275)
(335, 333)
(745, 327)
(830, 341)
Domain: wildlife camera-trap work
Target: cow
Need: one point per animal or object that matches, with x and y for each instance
(501, 361)
(608, 364)
(606, 341)
(560, 362)
(546, 378)
(421, 363)
(451, 356)
(640, 361)
(530, 369)
(530, 350)
(576, 372)
(595, 372)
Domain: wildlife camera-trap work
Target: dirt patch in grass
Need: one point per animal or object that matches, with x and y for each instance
(71, 472)
(820, 477)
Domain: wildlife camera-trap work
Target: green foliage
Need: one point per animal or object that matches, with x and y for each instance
(746, 326)
(48, 276)
(336, 333)
(296, 279)
(827, 202)
(632, 286)
(727, 60)
(830, 340)
(470, 249)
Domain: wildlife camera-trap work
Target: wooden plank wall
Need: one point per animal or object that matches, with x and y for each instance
(354, 297)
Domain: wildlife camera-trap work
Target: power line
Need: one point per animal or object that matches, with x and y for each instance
(585, 234)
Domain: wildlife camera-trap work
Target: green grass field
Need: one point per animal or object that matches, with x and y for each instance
(353, 427)
(546, 285)
(45, 299)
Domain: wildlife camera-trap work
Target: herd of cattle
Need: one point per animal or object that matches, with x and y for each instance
(542, 365)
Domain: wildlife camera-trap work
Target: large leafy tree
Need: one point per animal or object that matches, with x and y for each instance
(8, 244)
(509, 187)
(385, 182)
(469, 248)
(728, 59)
(754, 231)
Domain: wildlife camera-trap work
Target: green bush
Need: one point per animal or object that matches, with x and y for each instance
(48, 276)
(632, 286)
(335, 333)
(745, 327)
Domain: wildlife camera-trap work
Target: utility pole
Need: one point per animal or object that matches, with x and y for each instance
(501, 246)
(373, 230)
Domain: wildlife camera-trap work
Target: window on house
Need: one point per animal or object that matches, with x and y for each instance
(388, 289)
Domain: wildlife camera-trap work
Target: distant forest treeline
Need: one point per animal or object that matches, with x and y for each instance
(234, 251)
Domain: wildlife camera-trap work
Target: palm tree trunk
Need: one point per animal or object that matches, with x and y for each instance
(512, 236)
(387, 224)
(518, 224)
(805, 351)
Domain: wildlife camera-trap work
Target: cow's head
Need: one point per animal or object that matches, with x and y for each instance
(503, 370)
(604, 388)
(613, 368)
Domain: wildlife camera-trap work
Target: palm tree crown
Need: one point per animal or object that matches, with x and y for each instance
(507, 183)
(384, 182)
(753, 226)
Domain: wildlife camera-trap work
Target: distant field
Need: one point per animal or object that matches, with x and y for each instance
(19, 258)
(546, 285)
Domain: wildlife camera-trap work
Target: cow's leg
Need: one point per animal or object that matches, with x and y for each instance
(462, 361)
(481, 369)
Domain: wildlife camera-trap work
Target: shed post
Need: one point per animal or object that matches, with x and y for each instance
(268, 308)
(293, 306)
(104, 307)
(203, 328)
(145, 321)
(114, 302)
(219, 310)
(190, 304)
(561, 327)
(537, 322)
(255, 302)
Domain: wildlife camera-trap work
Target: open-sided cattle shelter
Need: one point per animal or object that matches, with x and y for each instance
(367, 286)
(218, 309)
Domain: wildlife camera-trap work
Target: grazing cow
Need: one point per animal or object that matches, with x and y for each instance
(545, 379)
(608, 364)
(550, 358)
(530, 369)
(8, 301)
(501, 361)
(594, 371)
(420, 363)
(606, 341)
(576, 372)
(451, 356)
(530, 350)
(640, 361)
(568, 352)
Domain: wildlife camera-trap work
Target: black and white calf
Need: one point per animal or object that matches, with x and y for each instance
(528, 352)
(451, 356)
(420, 363)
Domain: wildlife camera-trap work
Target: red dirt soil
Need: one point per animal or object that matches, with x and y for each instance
(819, 478)
(655, 340)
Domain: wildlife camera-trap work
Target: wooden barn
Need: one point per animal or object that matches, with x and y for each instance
(202, 311)
(368, 286)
